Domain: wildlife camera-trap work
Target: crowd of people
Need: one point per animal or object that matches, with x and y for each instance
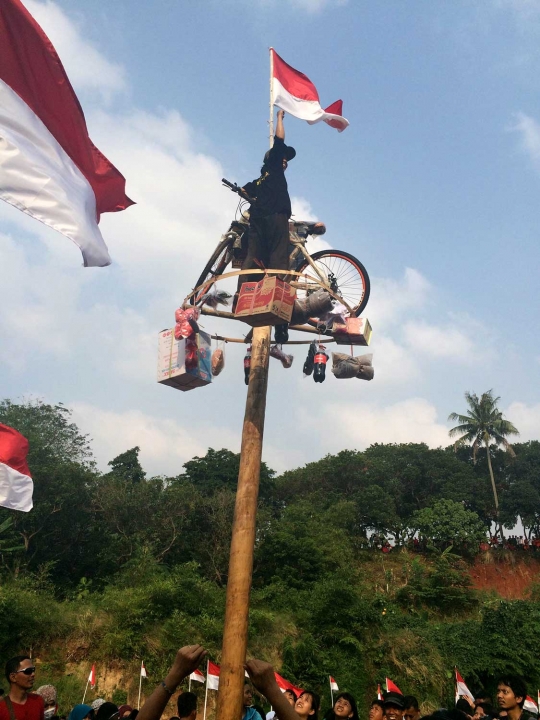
(21, 703)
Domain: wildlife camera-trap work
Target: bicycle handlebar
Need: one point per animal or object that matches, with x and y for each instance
(235, 188)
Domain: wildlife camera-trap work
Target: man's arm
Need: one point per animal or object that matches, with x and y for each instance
(280, 129)
(262, 676)
(187, 660)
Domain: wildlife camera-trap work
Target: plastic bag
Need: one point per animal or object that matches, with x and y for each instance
(277, 352)
(310, 360)
(218, 360)
(216, 297)
(313, 305)
(186, 322)
(337, 314)
(347, 366)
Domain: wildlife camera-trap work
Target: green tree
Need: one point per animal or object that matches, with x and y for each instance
(127, 466)
(447, 523)
(483, 424)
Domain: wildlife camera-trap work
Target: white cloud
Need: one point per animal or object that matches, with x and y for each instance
(526, 418)
(392, 299)
(87, 68)
(529, 131)
(440, 341)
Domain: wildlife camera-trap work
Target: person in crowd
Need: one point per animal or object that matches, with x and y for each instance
(187, 660)
(412, 709)
(50, 699)
(20, 701)
(393, 706)
(376, 711)
(511, 695)
(263, 678)
(98, 702)
(465, 706)
(187, 706)
(307, 706)
(249, 712)
(80, 712)
(290, 695)
(483, 710)
(107, 711)
(124, 711)
(483, 697)
(344, 708)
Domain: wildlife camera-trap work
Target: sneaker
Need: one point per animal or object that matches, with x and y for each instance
(281, 333)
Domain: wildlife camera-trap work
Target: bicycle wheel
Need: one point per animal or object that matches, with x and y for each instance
(343, 273)
(221, 257)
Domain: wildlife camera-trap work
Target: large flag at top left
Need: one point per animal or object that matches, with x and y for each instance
(16, 485)
(49, 167)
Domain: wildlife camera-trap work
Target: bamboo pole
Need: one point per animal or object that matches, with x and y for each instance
(231, 679)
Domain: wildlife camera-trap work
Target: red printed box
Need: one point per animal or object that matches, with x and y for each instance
(268, 302)
(356, 331)
(185, 363)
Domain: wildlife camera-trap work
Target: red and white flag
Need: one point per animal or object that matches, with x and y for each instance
(197, 676)
(143, 670)
(49, 167)
(92, 677)
(392, 687)
(461, 688)
(293, 92)
(333, 684)
(212, 676)
(286, 685)
(530, 706)
(16, 485)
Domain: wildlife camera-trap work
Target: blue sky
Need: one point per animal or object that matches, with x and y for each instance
(434, 186)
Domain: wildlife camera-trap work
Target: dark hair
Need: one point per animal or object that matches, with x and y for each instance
(486, 707)
(516, 684)
(13, 665)
(291, 692)
(410, 702)
(315, 702)
(186, 704)
(378, 702)
(483, 693)
(464, 707)
(352, 702)
(106, 711)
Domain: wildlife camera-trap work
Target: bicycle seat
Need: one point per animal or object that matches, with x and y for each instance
(305, 227)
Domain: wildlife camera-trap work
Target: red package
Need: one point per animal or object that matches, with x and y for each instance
(183, 327)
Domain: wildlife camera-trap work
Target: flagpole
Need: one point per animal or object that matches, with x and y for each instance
(271, 123)
(140, 686)
(85, 689)
(206, 691)
(189, 684)
(331, 691)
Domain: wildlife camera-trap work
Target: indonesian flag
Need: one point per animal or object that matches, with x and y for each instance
(293, 92)
(16, 486)
(143, 670)
(333, 684)
(461, 688)
(212, 676)
(379, 693)
(530, 706)
(392, 687)
(49, 167)
(92, 677)
(286, 685)
(197, 676)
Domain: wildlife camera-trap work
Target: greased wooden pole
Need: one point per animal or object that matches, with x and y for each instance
(231, 677)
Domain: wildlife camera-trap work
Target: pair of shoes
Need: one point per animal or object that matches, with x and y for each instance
(281, 333)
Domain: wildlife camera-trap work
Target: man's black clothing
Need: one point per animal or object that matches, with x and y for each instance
(268, 236)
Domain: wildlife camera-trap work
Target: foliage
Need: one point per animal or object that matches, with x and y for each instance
(448, 524)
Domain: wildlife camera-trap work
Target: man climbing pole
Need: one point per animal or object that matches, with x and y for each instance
(270, 210)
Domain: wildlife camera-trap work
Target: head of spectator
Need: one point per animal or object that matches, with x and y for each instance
(80, 712)
(187, 706)
(248, 694)
(393, 706)
(307, 705)
(107, 711)
(291, 697)
(50, 700)
(483, 709)
(376, 711)
(20, 673)
(98, 702)
(124, 711)
(511, 694)
(344, 707)
(412, 709)
(482, 696)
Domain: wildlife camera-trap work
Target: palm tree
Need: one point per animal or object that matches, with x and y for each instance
(482, 425)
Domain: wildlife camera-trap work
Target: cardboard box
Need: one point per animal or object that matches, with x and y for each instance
(356, 331)
(267, 302)
(172, 354)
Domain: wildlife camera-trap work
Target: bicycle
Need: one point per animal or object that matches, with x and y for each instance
(335, 270)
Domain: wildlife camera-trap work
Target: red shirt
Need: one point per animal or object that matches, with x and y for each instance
(31, 710)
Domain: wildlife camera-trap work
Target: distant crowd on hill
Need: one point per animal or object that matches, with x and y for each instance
(21, 703)
(423, 544)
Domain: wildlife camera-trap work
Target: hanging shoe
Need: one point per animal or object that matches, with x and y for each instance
(281, 333)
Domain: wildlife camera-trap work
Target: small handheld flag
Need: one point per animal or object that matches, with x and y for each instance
(461, 688)
(16, 486)
(392, 687)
